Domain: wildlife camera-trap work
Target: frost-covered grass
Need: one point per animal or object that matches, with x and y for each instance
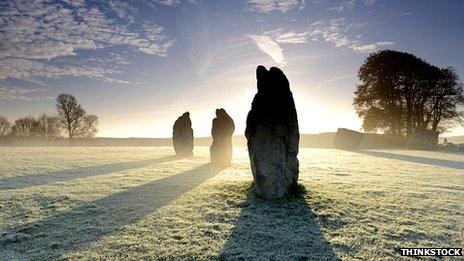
(143, 203)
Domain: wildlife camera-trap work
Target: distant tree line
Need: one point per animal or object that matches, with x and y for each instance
(71, 121)
(399, 93)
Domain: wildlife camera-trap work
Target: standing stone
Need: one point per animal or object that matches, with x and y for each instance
(182, 135)
(346, 139)
(272, 135)
(223, 128)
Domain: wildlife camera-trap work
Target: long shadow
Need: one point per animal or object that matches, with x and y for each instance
(74, 229)
(415, 159)
(277, 230)
(76, 173)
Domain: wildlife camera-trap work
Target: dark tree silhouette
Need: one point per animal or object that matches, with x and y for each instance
(399, 93)
(73, 118)
(26, 127)
(4, 126)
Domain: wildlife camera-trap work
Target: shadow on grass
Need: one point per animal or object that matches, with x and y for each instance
(277, 230)
(415, 159)
(74, 229)
(76, 173)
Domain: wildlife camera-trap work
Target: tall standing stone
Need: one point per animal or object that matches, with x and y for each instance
(272, 135)
(222, 130)
(182, 135)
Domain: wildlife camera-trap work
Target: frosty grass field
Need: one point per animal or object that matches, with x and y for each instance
(143, 203)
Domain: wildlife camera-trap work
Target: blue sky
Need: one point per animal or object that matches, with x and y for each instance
(139, 64)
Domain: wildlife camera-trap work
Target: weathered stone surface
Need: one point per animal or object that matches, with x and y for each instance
(423, 139)
(182, 135)
(272, 135)
(222, 130)
(346, 139)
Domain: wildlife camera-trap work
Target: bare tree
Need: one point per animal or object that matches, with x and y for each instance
(73, 118)
(87, 126)
(49, 126)
(26, 127)
(4, 126)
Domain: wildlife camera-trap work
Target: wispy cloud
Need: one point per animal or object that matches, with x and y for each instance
(292, 37)
(268, 6)
(401, 13)
(24, 68)
(8, 93)
(336, 31)
(54, 30)
(369, 2)
(125, 10)
(289, 37)
(173, 2)
(36, 32)
(349, 5)
(340, 34)
(344, 6)
(269, 47)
